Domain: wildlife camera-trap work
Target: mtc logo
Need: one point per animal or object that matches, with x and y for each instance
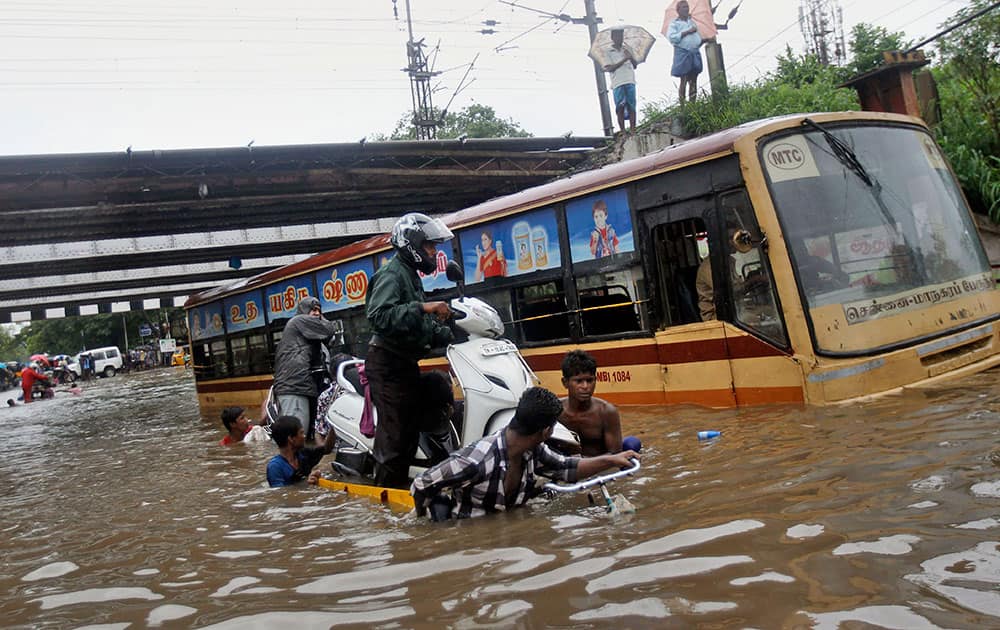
(787, 157)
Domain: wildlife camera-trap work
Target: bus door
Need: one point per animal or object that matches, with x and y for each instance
(763, 369)
(714, 302)
(690, 342)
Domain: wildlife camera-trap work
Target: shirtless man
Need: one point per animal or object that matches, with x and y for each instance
(596, 421)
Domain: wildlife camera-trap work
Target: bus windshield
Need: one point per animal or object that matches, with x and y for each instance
(875, 226)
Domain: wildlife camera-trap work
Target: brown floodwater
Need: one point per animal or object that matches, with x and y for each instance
(119, 509)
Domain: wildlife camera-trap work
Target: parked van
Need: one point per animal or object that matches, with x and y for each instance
(107, 361)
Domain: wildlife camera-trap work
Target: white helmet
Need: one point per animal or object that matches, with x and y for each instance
(409, 235)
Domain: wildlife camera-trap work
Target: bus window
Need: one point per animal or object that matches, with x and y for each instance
(609, 302)
(202, 359)
(250, 355)
(675, 247)
(260, 361)
(241, 356)
(217, 349)
(357, 333)
(500, 300)
(542, 314)
(751, 282)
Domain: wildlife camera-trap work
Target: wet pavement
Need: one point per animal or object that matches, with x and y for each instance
(119, 508)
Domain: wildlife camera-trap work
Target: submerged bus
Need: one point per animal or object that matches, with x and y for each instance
(804, 259)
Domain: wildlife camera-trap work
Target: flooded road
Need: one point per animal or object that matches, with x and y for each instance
(120, 509)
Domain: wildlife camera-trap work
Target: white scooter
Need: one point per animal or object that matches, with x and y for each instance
(489, 369)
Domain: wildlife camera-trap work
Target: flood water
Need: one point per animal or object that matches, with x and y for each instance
(119, 509)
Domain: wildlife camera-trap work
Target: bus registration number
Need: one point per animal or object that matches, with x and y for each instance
(497, 347)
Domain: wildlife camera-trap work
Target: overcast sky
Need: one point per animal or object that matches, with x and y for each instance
(101, 76)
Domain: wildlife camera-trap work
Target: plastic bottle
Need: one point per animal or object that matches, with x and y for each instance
(708, 435)
(522, 245)
(540, 242)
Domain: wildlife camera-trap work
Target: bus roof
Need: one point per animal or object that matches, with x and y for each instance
(695, 150)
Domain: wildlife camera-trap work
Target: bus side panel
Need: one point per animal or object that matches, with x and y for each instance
(628, 371)
(712, 364)
(249, 392)
(718, 365)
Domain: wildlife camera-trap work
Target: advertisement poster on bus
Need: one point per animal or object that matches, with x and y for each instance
(282, 297)
(206, 321)
(511, 247)
(244, 312)
(599, 226)
(345, 285)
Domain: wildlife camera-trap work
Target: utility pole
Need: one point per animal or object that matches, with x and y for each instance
(822, 26)
(424, 119)
(591, 20)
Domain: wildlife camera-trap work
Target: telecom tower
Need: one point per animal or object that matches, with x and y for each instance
(822, 25)
(424, 119)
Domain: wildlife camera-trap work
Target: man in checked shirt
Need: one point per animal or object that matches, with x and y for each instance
(497, 473)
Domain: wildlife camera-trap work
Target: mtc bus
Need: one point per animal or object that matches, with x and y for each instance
(803, 259)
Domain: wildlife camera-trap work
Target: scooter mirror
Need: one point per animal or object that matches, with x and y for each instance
(454, 273)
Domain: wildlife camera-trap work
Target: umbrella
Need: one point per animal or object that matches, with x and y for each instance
(41, 358)
(701, 13)
(635, 38)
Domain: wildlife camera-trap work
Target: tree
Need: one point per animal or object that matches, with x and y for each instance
(800, 84)
(968, 79)
(867, 44)
(806, 69)
(10, 346)
(70, 335)
(474, 121)
(970, 57)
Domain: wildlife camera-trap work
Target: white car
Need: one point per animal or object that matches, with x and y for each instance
(107, 361)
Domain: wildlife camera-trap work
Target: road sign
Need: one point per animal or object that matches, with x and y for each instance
(168, 345)
(145, 331)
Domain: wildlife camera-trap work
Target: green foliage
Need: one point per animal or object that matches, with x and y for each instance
(968, 80)
(10, 347)
(70, 335)
(806, 69)
(474, 121)
(867, 44)
(800, 84)
(979, 175)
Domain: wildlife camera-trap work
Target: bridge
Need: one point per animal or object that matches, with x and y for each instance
(110, 232)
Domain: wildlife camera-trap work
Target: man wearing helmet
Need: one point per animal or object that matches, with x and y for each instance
(405, 327)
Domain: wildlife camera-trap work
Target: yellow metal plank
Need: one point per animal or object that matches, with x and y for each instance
(391, 496)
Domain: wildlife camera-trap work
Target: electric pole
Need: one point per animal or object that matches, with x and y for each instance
(591, 20)
(424, 119)
(822, 26)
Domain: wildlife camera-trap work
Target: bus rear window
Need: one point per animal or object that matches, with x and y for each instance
(542, 314)
(609, 302)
